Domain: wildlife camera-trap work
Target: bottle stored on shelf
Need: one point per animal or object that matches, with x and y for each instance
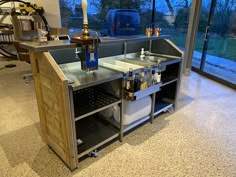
(158, 76)
(130, 81)
(154, 81)
(143, 84)
(148, 76)
(137, 82)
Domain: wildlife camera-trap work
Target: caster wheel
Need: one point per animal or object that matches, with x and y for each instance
(93, 153)
(170, 110)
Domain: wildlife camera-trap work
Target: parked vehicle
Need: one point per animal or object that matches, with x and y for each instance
(121, 22)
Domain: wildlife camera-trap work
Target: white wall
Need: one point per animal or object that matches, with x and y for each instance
(52, 11)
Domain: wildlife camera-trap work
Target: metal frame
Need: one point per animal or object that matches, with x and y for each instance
(204, 51)
(73, 124)
(153, 106)
(214, 78)
(205, 45)
(94, 147)
(121, 111)
(98, 145)
(96, 110)
(191, 35)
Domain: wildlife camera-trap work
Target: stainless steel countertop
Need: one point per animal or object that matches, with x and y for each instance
(150, 62)
(80, 79)
(48, 45)
(61, 44)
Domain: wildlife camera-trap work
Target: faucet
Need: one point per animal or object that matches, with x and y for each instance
(142, 54)
(77, 51)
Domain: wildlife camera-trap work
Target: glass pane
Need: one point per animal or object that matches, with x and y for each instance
(107, 17)
(172, 17)
(221, 52)
(197, 55)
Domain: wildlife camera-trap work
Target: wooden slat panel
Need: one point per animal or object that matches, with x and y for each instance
(54, 124)
(37, 85)
(56, 148)
(49, 68)
(50, 98)
(54, 106)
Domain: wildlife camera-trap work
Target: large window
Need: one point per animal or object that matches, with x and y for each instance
(215, 48)
(215, 45)
(103, 15)
(108, 17)
(172, 17)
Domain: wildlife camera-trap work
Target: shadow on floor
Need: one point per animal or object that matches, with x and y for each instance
(143, 133)
(160, 121)
(183, 100)
(134, 137)
(26, 146)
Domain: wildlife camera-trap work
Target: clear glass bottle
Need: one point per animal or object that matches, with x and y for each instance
(158, 76)
(130, 81)
(154, 81)
(149, 77)
(143, 84)
(137, 82)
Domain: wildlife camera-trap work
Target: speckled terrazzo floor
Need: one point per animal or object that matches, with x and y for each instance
(199, 139)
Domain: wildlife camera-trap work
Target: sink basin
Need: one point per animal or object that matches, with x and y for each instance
(133, 61)
(138, 61)
(161, 59)
(155, 59)
(119, 65)
(150, 60)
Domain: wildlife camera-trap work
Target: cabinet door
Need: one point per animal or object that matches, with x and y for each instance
(54, 107)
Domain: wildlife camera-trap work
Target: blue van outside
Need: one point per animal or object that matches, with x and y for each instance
(121, 22)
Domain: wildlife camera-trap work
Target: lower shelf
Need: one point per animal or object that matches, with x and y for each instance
(136, 123)
(130, 126)
(162, 106)
(92, 132)
(87, 101)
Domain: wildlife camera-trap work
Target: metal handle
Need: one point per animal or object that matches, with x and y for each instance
(206, 33)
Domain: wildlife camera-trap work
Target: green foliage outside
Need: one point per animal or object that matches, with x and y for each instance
(65, 14)
(217, 46)
(221, 47)
(220, 43)
(181, 19)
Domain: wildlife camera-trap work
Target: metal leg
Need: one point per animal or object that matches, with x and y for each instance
(121, 122)
(153, 107)
(121, 113)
